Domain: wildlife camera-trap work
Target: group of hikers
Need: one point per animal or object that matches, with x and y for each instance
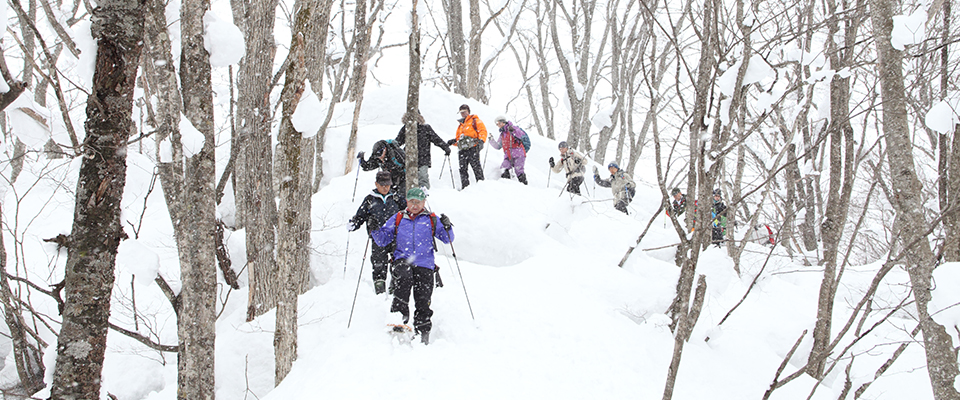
(404, 231)
(718, 213)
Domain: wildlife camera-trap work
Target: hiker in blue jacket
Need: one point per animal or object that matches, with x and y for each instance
(413, 230)
(377, 208)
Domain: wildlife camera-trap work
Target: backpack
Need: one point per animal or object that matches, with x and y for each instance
(395, 153)
(433, 227)
(524, 139)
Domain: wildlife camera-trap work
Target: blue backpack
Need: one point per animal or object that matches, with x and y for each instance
(524, 139)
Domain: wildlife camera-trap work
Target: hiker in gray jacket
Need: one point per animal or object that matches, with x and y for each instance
(620, 183)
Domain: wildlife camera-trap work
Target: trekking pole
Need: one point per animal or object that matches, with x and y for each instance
(445, 158)
(549, 173)
(345, 255)
(450, 165)
(354, 197)
(461, 281)
(359, 277)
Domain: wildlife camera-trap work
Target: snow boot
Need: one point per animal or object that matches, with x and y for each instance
(379, 286)
(522, 178)
(505, 174)
(425, 337)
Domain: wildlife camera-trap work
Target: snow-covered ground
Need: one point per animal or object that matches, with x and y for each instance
(550, 314)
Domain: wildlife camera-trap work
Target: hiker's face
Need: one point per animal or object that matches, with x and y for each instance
(563, 151)
(677, 196)
(383, 189)
(414, 206)
(464, 113)
(612, 170)
(500, 124)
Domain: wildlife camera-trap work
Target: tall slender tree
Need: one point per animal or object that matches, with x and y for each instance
(196, 325)
(117, 25)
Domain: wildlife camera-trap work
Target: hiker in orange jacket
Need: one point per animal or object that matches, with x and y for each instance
(471, 135)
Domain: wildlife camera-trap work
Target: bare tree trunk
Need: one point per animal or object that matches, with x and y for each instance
(117, 25)
(27, 355)
(293, 245)
(198, 270)
(841, 184)
(361, 32)
(949, 165)
(473, 46)
(256, 208)
(413, 102)
(457, 55)
(908, 202)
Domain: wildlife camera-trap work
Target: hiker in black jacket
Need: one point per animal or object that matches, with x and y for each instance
(377, 207)
(387, 156)
(425, 136)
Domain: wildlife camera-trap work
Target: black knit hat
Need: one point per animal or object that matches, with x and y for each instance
(383, 178)
(464, 107)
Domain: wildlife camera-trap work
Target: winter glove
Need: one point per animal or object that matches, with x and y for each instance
(451, 142)
(595, 171)
(360, 155)
(445, 220)
(446, 151)
(551, 163)
(352, 225)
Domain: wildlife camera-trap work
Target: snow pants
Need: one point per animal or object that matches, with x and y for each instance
(515, 159)
(380, 258)
(470, 157)
(420, 281)
(573, 185)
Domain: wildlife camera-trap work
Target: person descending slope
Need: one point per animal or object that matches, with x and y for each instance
(471, 134)
(376, 208)
(413, 231)
(425, 136)
(387, 156)
(573, 163)
(719, 213)
(514, 151)
(679, 202)
(620, 183)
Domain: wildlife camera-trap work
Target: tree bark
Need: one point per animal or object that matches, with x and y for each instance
(117, 25)
(457, 56)
(256, 207)
(361, 32)
(198, 270)
(410, 117)
(473, 48)
(293, 257)
(908, 202)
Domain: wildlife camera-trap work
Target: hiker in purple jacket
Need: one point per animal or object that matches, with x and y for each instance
(514, 155)
(414, 230)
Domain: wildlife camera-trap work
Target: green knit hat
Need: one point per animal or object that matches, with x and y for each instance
(416, 194)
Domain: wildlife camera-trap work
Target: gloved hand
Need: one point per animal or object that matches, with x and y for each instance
(360, 155)
(595, 171)
(445, 220)
(551, 163)
(446, 151)
(451, 142)
(352, 225)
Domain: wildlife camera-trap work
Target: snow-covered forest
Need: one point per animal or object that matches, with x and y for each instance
(178, 177)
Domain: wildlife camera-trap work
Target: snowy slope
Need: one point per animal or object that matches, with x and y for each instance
(553, 315)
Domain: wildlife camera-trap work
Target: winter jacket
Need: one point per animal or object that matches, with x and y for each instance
(513, 153)
(393, 162)
(414, 237)
(573, 162)
(620, 183)
(470, 127)
(719, 213)
(376, 209)
(425, 136)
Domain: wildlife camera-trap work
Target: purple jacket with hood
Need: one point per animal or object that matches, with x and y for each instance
(414, 237)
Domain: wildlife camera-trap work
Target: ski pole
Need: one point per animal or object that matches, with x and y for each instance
(354, 197)
(459, 272)
(359, 276)
(549, 172)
